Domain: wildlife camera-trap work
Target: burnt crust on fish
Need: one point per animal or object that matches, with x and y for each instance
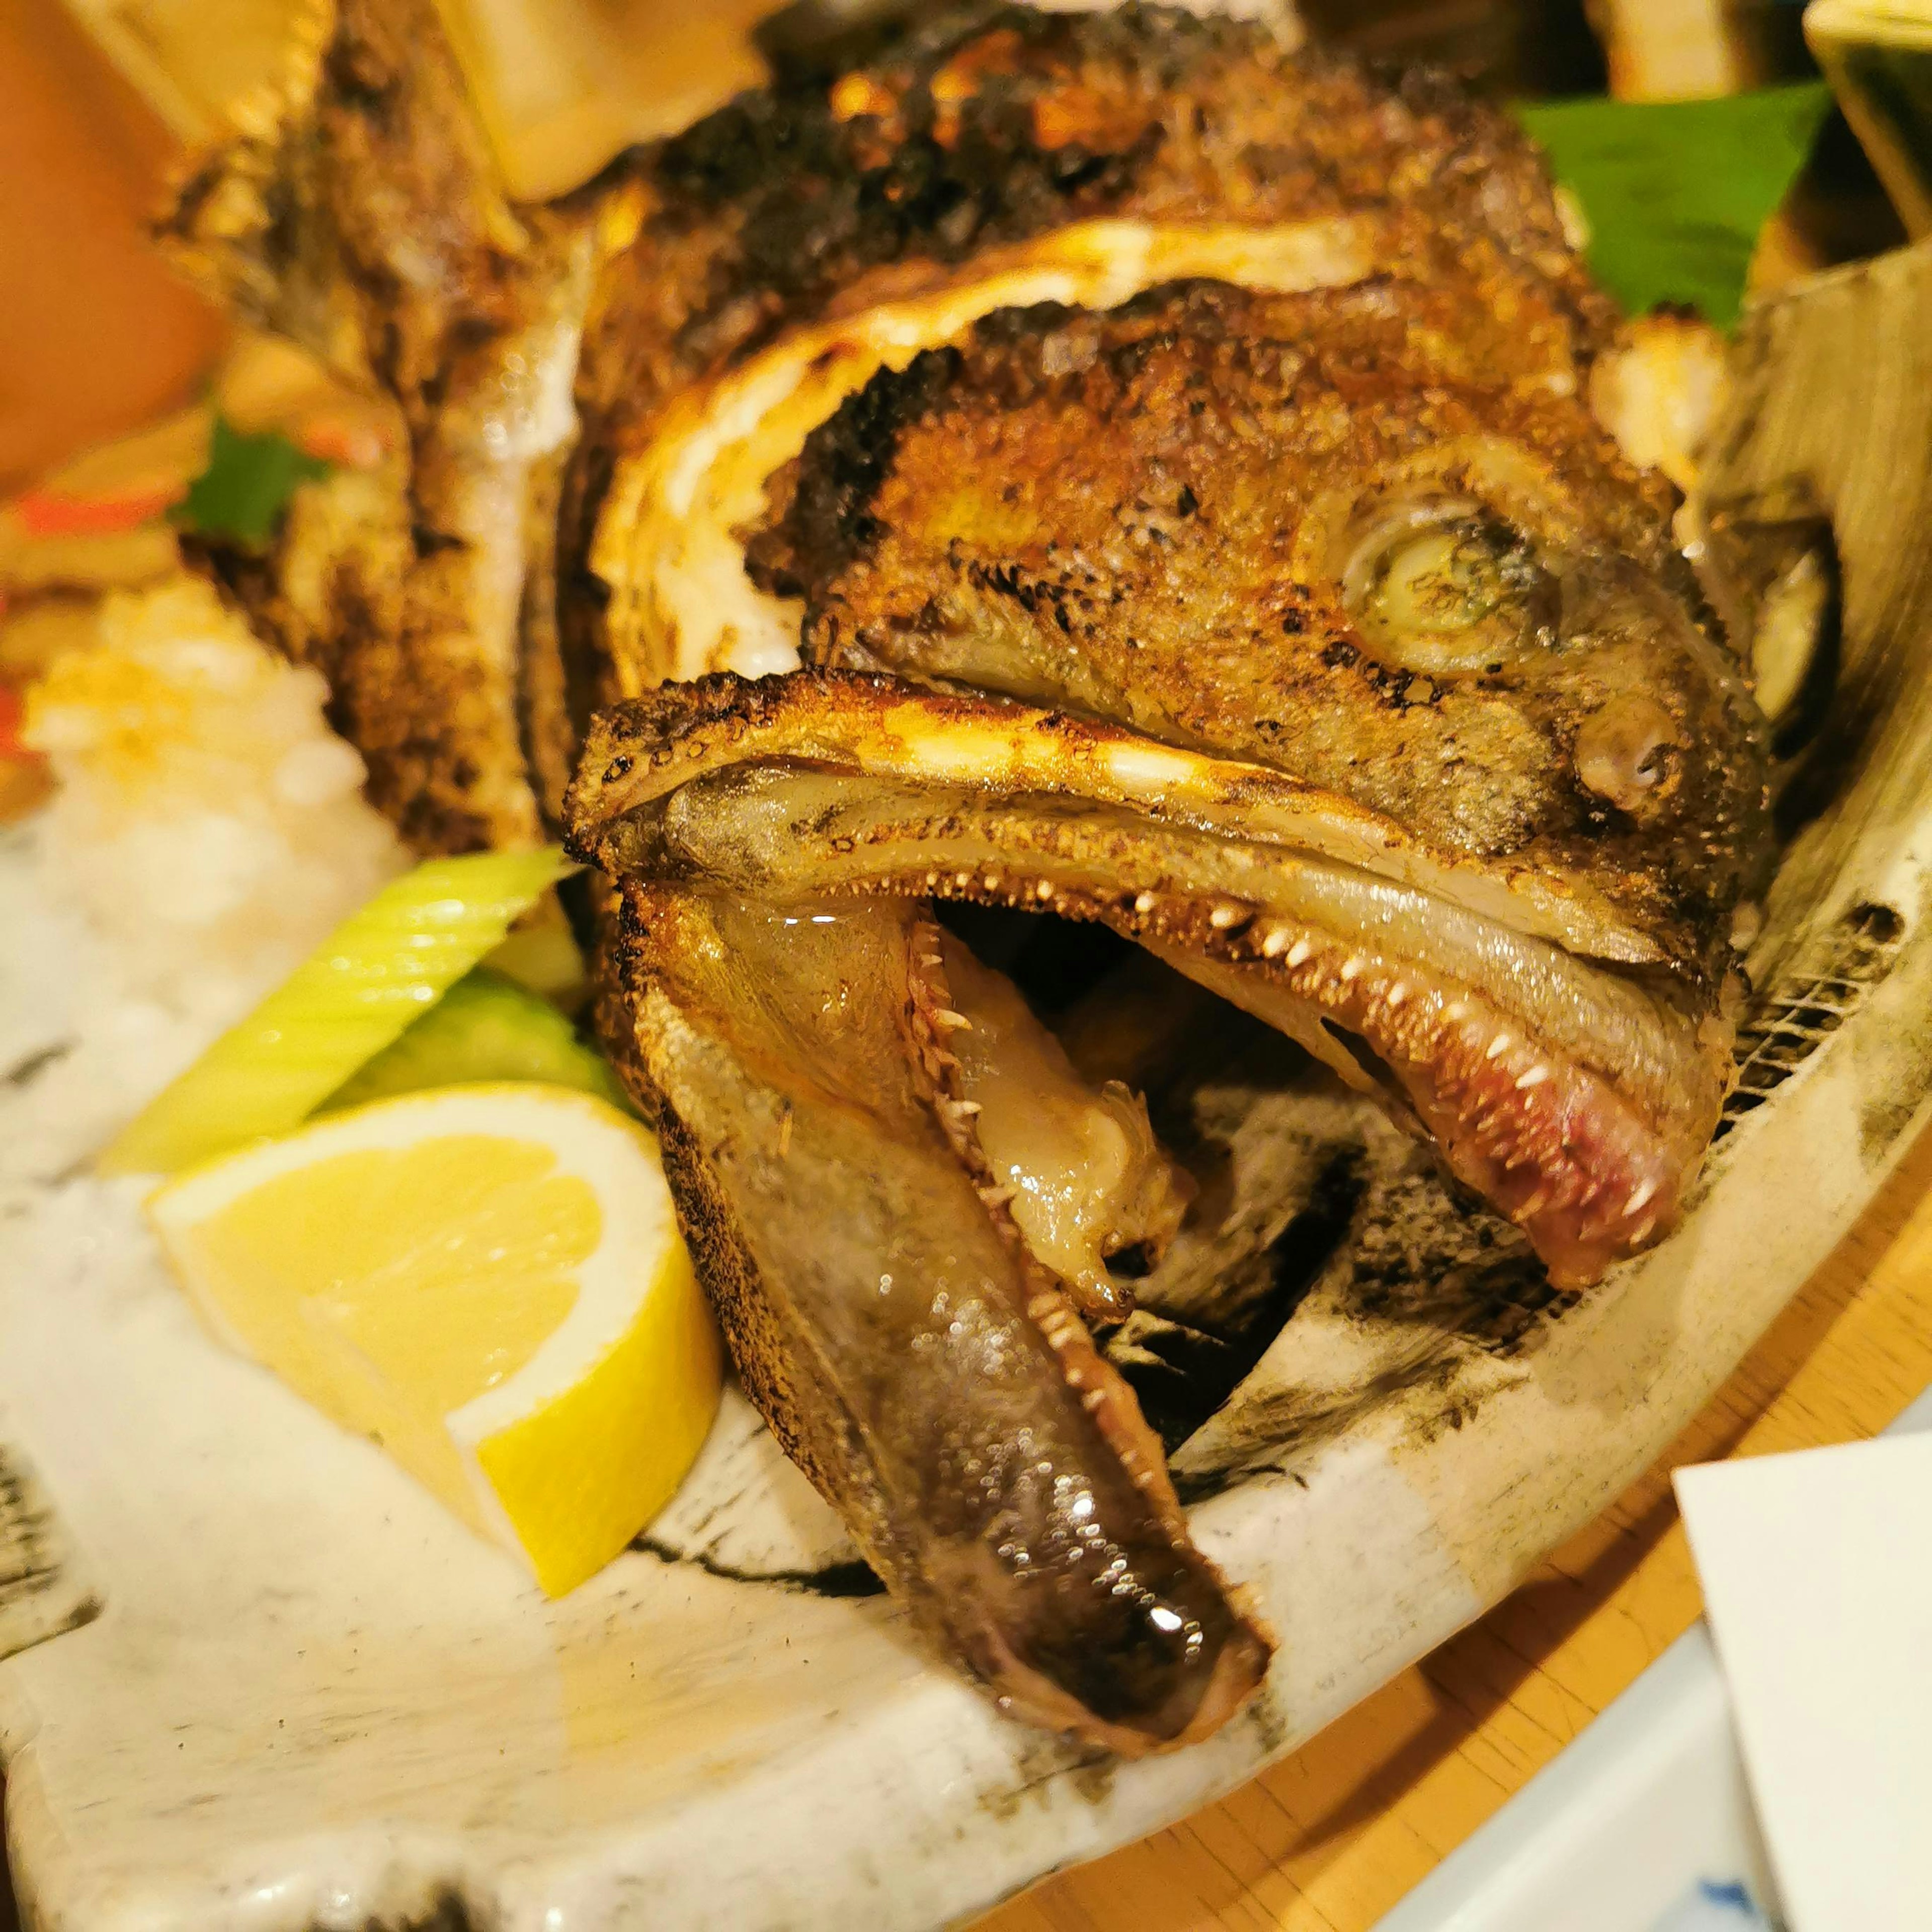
(999, 143)
(990, 125)
(1171, 516)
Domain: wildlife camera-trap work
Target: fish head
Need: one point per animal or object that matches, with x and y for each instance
(1171, 461)
(1321, 642)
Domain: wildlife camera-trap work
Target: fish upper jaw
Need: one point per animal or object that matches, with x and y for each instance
(1575, 1092)
(1589, 1171)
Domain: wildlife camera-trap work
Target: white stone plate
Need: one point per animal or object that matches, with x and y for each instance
(310, 1698)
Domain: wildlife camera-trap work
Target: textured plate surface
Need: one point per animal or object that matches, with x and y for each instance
(311, 1699)
(42, 1592)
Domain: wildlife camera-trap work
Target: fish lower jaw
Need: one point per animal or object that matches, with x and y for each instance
(1549, 1141)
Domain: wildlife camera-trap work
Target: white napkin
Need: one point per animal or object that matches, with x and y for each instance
(1817, 1576)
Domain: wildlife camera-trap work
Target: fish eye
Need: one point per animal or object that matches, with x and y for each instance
(1447, 587)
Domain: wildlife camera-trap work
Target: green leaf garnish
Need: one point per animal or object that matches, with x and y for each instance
(246, 485)
(1676, 191)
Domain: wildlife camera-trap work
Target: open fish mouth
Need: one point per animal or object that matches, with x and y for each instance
(1575, 1094)
(1233, 562)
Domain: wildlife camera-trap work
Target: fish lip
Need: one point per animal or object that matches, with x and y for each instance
(879, 725)
(1236, 1675)
(718, 1012)
(1640, 1106)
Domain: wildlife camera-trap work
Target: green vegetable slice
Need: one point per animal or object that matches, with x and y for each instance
(1676, 191)
(485, 1027)
(542, 954)
(375, 973)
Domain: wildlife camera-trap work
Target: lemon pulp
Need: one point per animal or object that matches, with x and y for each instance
(487, 1281)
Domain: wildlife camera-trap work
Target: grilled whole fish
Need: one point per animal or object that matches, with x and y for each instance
(1313, 634)
(1169, 456)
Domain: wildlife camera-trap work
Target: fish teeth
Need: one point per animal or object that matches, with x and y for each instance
(1534, 1077)
(956, 1022)
(1397, 993)
(1498, 1047)
(1639, 1195)
(1223, 916)
(1276, 943)
(1350, 969)
(1299, 953)
(1144, 902)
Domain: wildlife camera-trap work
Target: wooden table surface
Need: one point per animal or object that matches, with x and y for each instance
(1328, 1839)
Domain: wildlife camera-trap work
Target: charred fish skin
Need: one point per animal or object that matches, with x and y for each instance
(938, 1390)
(994, 155)
(357, 210)
(1348, 535)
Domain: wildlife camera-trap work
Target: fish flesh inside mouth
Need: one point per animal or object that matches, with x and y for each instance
(1105, 465)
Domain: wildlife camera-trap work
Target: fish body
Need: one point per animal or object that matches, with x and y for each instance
(357, 211)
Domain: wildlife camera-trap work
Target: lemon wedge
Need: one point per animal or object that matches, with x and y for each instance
(488, 1280)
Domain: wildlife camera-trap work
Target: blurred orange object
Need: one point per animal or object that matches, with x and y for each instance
(24, 781)
(96, 334)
